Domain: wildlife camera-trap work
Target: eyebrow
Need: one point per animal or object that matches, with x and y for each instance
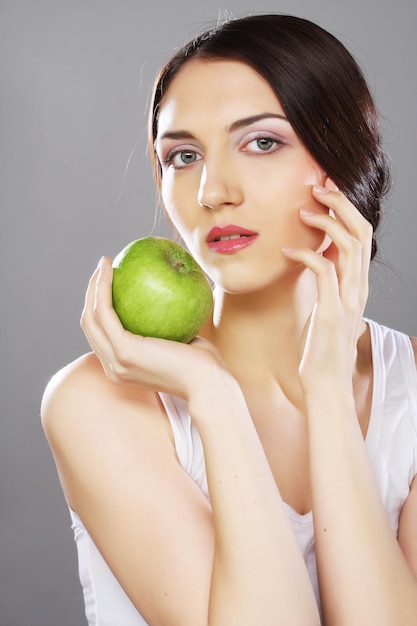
(242, 123)
(247, 121)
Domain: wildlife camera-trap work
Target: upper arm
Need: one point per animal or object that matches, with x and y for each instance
(120, 473)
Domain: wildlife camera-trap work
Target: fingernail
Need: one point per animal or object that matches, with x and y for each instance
(306, 212)
(287, 250)
(320, 189)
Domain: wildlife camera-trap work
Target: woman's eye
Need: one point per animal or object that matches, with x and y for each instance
(265, 143)
(182, 158)
(262, 144)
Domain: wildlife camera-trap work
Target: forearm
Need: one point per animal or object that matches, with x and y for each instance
(258, 575)
(363, 574)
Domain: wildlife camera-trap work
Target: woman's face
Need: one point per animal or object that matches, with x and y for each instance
(234, 174)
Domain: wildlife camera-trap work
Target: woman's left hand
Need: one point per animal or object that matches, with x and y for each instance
(332, 332)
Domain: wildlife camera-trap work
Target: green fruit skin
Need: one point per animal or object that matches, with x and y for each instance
(159, 290)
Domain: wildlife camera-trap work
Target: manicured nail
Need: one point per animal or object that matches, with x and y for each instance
(320, 189)
(306, 212)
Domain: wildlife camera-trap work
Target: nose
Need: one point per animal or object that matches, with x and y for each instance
(219, 185)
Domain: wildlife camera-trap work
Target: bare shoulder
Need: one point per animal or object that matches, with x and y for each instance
(84, 415)
(65, 390)
(69, 384)
(82, 389)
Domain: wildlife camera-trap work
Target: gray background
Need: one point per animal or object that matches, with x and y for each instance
(74, 79)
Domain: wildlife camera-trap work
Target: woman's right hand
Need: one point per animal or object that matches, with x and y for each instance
(159, 364)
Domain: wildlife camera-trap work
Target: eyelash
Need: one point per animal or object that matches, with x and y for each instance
(276, 144)
(169, 160)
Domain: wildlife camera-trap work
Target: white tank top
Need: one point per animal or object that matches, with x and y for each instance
(391, 442)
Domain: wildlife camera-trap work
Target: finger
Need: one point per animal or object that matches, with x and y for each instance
(348, 215)
(349, 259)
(330, 313)
(91, 324)
(89, 296)
(102, 305)
(87, 320)
(325, 271)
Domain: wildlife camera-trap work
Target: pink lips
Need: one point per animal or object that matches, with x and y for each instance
(229, 239)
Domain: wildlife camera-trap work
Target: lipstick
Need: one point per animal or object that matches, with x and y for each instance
(230, 238)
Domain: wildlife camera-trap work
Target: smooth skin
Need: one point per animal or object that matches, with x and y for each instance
(279, 385)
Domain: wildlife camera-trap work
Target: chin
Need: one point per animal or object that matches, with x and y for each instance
(240, 285)
(235, 285)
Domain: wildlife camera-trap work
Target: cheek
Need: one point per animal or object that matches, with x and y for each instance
(301, 182)
(170, 203)
(297, 232)
(178, 211)
(167, 193)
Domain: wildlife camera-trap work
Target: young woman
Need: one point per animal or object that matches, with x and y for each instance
(264, 473)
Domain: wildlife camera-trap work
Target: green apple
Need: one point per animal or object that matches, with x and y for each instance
(159, 290)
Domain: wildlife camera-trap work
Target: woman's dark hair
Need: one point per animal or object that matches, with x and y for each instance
(321, 89)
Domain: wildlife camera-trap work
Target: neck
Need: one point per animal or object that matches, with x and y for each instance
(259, 334)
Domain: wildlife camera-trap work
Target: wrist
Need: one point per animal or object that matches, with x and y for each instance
(216, 386)
(325, 397)
(215, 396)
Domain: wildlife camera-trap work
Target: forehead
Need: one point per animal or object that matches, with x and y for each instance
(208, 90)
